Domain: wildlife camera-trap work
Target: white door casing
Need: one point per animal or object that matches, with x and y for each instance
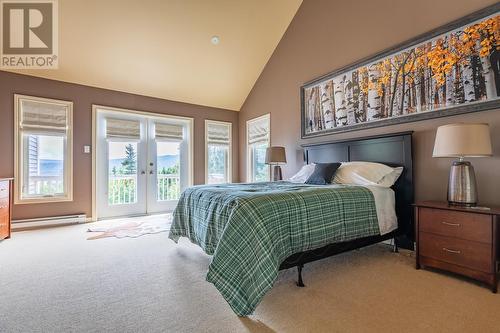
(149, 198)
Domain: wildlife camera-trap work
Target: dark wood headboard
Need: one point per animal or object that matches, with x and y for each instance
(393, 150)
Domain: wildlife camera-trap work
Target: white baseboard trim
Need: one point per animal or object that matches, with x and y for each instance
(48, 222)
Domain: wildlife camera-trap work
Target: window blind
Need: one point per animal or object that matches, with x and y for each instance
(168, 132)
(40, 117)
(218, 134)
(258, 131)
(123, 129)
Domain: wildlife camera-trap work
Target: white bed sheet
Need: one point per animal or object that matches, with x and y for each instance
(385, 205)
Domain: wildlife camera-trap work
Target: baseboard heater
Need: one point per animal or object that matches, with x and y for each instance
(48, 221)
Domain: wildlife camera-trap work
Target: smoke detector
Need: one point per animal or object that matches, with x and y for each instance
(215, 40)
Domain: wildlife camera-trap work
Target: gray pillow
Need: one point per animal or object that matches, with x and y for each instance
(323, 173)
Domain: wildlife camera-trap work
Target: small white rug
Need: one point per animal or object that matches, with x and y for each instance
(132, 227)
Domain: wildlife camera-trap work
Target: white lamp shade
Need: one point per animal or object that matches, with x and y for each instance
(462, 140)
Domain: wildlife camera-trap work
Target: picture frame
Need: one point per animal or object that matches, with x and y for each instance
(440, 73)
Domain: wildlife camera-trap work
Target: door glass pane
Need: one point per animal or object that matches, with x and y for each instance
(217, 164)
(43, 165)
(260, 168)
(122, 166)
(168, 170)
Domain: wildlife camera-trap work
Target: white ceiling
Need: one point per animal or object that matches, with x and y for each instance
(163, 48)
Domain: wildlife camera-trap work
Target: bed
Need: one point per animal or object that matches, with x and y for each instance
(254, 230)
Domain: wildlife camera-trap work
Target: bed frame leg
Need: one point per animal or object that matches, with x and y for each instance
(395, 248)
(300, 283)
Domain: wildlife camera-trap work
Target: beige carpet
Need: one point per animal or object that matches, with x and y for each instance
(54, 280)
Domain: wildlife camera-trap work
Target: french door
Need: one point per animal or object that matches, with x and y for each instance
(143, 162)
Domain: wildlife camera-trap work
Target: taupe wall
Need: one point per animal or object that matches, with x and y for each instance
(325, 35)
(83, 97)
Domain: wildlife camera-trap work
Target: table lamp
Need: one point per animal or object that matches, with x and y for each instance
(276, 156)
(460, 141)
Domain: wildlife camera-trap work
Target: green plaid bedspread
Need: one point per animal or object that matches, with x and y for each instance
(251, 228)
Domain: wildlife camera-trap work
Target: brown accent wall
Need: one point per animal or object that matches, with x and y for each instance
(83, 97)
(325, 35)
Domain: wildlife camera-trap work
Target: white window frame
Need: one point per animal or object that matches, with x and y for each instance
(250, 163)
(230, 152)
(19, 153)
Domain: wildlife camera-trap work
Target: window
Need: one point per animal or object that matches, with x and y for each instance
(217, 152)
(43, 154)
(258, 134)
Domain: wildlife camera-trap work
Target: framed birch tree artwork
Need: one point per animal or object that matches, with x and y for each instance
(452, 70)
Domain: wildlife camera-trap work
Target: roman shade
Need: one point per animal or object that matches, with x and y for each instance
(43, 118)
(258, 131)
(168, 132)
(218, 134)
(123, 129)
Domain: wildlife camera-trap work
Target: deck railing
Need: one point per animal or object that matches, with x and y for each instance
(122, 189)
(168, 187)
(45, 185)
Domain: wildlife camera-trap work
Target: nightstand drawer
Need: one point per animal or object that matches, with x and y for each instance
(456, 251)
(4, 206)
(4, 189)
(4, 225)
(463, 225)
(5, 201)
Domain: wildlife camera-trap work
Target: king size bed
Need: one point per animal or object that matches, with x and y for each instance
(254, 230)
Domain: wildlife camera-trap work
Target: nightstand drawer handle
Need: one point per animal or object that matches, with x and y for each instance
(452, 251)
(451, 224)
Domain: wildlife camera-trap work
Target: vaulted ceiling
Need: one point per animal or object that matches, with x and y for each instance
(163, 48)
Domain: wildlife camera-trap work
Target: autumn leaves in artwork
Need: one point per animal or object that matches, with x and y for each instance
(458, 67)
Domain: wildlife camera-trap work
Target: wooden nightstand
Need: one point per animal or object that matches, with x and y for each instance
(5, 207)
(460, 240)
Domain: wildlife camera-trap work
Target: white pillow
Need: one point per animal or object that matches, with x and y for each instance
(391, 178)
(361, 173)
(304, 173)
